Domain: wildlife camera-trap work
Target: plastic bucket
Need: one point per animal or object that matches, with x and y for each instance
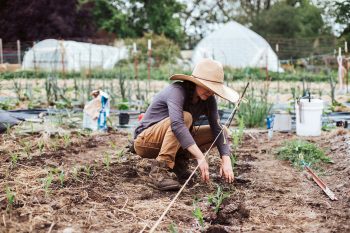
(308, 117)
(283, 122)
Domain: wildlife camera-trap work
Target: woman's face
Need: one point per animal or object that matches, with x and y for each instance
(203, 93)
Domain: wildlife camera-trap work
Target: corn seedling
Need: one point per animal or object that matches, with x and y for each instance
(107, 160)
(173, 228)
(10, 196)
(61, 178)
(217, 199)
(75, 172)
(66, 139)
(113, 145)
(87, 170)
(14, 159)
(197, 213)
(119, 153)
(47, 182)
(40, 145)
(27, 148)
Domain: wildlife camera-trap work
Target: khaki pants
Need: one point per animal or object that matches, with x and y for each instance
(159, 141)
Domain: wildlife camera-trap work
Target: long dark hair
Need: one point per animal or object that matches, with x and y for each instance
(190, 88)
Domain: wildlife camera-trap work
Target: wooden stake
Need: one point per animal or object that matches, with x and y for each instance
(1, 53)
(19, 51)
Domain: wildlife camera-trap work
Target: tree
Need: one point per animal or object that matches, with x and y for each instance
(342, 16)
(40, 19)
(137, 17)
(292, 19)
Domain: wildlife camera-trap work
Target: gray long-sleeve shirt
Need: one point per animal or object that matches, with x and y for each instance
(171, 102)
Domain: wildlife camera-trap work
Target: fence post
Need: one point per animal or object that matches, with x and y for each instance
(34, 57)
(1, 53)
(19, 51)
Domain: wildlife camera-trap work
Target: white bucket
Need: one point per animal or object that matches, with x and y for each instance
(282, 122)
(308, 117)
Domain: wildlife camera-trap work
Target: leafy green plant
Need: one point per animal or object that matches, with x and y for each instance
(10, 196)
(119, 153)
(47, 182)
(197, 213)
(107, 160)
(14, 159)
(217, 199)
(300, 152)
(88, 170)
(255, 109)
(75, 172)
(61, 178)
(66, 139)
(173, 228)
(41, 145)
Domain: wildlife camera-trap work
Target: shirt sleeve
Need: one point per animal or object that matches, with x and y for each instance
(222, 142)
(175, 102)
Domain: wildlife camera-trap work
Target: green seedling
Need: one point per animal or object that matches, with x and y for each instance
(47, 182)
(197, 213)
(61, 178)
(107, 160)
(75, 172)
(10, 196)
(87, 170)
(113, 145)
(217, 199)
(66, 139)
(14, 159)
(41, 145)
(233, 158)
(27, 148)
(119, 153)
(173, 228)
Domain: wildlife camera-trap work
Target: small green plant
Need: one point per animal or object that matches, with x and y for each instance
(27, 148)
(255, 110)
(47, 182)
(197, 213)
(88, 170)
(61, 178)
(41, 145)
(10, 196)
(66, 139)
(173, 228)
(217, 199)
(75, 172)
(14, 159)
(300, 152)
(119, 153)
(107, 160)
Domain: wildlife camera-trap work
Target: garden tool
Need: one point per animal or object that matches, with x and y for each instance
(320, 183)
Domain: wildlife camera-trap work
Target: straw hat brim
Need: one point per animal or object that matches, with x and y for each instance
(218, 88)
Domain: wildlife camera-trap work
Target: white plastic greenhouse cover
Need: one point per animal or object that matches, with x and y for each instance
(236, 46)
(51, 54)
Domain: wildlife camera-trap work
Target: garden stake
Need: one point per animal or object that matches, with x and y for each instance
(320, 183)
(228, 122)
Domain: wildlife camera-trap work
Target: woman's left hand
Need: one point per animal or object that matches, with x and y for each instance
(226, 169)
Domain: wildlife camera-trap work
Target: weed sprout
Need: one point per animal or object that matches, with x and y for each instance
(14, 159)
(47, 182)
(107, 160)
(217, 199)
(61, 178)
(10, 196)
(197, 213)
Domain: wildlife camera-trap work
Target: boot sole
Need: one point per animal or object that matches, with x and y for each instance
(167, 188)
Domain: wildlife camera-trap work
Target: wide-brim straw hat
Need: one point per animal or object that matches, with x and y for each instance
(209, 74)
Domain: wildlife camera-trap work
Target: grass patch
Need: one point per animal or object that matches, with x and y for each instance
(299, 151)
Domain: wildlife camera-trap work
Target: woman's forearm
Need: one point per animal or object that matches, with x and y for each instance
(195, 151)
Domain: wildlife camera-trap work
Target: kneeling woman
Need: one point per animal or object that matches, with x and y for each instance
(166, 131)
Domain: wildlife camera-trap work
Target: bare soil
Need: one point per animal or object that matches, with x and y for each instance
(268, 194)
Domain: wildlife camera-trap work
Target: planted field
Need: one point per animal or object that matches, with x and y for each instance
(90, 183)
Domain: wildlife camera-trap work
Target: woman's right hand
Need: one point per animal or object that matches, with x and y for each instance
(203, 165)
(204, 168)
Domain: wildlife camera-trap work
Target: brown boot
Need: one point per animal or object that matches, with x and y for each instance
(161, 178)
(181, 168)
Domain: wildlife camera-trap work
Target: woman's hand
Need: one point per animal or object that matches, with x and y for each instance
(204, 168)
(203, 165)
(226, 169)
